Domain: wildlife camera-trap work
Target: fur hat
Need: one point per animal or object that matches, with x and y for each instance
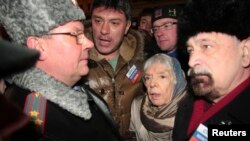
(225, 16)
(14, 58)
(168, 11)
(23, 18)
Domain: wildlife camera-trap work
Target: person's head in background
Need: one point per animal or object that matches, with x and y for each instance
(145, 20)
(216, 35)
(164, 28)
(111, 20)
(57, 35)
(164, 79)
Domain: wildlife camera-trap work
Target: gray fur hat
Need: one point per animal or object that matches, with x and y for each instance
(23, 18)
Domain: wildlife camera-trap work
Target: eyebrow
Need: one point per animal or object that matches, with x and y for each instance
(166, 71)
(112, 19)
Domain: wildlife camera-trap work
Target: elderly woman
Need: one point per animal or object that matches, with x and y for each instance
(153, 114)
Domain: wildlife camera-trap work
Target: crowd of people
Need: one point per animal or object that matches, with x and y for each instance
(68, 78)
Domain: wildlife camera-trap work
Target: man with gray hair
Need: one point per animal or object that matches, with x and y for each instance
(217, 38)
(45, 92)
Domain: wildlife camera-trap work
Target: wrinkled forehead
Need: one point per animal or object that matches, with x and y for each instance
(212, 37)
(159, 67)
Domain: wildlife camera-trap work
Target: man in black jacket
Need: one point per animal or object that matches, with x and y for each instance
(217, 38)
(164, 29)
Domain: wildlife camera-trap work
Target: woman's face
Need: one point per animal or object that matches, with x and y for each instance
(159, 82)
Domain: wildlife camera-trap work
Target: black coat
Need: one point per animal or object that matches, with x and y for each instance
(64, 126)
(236, 112)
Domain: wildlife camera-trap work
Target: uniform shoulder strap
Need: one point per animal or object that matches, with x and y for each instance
(35, 107)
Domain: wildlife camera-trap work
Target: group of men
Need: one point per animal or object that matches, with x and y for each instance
(62, 109)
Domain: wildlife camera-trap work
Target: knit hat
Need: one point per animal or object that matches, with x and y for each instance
(14, 58)
(225, 16)
(23, 18)
(167, 11)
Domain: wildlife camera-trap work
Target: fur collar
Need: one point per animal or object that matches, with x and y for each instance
(73, 101)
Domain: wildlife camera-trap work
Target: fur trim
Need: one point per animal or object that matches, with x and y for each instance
(23, 18)
(132, 46)
(73, 101)
(226, 16)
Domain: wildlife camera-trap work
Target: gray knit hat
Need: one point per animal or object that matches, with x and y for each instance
(23, 18)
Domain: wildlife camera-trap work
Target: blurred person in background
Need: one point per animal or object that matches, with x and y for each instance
(145, 20)
(165, 19)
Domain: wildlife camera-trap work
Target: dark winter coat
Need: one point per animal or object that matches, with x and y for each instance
(236, 112)
(70, 115)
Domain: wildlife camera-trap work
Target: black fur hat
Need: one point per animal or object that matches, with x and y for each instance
(225, 16)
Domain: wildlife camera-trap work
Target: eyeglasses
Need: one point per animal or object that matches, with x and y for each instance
(78, 36)
(166, 26)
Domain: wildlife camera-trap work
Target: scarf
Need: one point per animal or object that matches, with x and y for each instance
(159, 119)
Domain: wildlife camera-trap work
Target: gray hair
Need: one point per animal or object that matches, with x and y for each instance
(174, 65)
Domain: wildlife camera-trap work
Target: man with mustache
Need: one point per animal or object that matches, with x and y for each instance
(217, 39)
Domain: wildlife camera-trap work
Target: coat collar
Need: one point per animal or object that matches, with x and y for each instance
(55, 91)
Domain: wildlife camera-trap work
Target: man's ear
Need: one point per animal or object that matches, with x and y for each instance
(245, 49)
(36, 43)
(127, 26)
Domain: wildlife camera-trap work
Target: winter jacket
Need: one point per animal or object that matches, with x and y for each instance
(69, 115)
(114, 86)
(229, 114)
